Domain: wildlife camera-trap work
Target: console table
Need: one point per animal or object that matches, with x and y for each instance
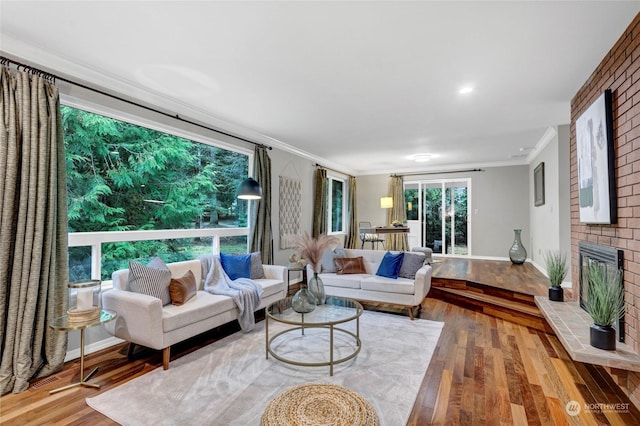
(384, 230)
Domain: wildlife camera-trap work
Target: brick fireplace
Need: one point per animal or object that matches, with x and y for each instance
(620, 72)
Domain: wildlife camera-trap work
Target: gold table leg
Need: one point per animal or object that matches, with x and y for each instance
(83, 379)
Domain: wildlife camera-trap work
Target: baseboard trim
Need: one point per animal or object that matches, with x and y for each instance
(93, 347)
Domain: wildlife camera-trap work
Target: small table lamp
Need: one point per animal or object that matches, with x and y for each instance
(386, 202)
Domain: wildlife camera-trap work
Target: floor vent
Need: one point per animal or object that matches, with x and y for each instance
(43, 382)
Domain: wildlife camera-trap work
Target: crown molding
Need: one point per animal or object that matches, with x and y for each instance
(546, 138)
(445, 168)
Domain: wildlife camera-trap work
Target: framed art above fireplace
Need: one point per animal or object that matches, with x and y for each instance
(596, 162)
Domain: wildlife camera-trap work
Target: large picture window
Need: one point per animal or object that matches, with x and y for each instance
(124, 177)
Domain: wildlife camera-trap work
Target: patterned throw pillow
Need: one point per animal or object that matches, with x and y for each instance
(350, 265)
(152, 280)
(390, 265)
(182, 289)
(410, 265)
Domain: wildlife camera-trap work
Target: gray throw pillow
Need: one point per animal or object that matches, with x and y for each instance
(410, 264)
(152, 280)
(257, 271)
(328, 263)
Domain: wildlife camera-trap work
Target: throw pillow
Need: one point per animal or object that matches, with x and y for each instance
(183, 288)
(390, 265)
(328, 263)
(410, 264)
(350, 265)
(236, 266)
(152, 279)
(257, 271)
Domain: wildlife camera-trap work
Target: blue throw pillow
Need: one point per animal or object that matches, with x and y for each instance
(236, 266)
(390, 265)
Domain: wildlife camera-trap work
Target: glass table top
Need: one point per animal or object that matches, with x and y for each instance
(335, 310)
(63, 323)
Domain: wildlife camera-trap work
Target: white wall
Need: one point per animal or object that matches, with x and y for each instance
(545, 225)
(370, 190)
(499, 204)
(294, 167)
(550, 223)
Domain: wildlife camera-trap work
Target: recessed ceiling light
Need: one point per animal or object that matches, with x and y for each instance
(465, 90)
(422, 158)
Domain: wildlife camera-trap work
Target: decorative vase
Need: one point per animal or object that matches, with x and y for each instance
(517, 254)
(304, 301)
(316, 287)
(556, 294)
(603, 337)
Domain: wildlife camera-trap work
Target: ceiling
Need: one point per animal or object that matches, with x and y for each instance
(357, 86)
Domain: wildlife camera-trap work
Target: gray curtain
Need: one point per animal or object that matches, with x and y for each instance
(397, 212)
(319, 226)
(33, 230)
(352, 239)
(261, 232)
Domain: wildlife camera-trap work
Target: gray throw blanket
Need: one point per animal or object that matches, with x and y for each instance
(245, 293)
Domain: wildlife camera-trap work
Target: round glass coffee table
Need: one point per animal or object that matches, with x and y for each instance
(335, 311)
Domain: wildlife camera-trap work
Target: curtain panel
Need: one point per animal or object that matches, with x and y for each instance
(33, 230)
(319, 226)
(397, 212)
(261, 231)
(352, 239)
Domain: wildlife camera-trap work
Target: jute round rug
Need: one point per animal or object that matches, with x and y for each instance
(319, 405)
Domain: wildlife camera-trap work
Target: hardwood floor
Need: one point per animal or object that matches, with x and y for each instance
(485, 370)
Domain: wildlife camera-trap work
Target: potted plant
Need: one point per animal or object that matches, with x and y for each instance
(605, 304)
(556, 263)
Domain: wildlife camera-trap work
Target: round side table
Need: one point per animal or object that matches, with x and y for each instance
(63, 324)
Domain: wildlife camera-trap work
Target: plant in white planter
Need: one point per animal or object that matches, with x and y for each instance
(556, 263)
(605, 304)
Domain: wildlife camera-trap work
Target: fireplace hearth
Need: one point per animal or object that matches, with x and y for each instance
(610, 257)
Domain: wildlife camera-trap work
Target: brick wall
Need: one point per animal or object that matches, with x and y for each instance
(620, 72)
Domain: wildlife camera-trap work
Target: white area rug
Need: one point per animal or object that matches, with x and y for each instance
(230, 382)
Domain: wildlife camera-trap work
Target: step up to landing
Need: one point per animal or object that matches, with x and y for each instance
(519, 309)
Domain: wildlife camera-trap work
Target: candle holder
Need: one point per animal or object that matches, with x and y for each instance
(84, 300)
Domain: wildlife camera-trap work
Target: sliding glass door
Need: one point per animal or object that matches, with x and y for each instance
(438, 215)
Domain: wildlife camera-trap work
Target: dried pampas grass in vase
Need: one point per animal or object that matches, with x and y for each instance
(312, 249)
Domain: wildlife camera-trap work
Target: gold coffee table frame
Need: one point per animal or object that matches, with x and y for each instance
(335, 311)
(63, 324)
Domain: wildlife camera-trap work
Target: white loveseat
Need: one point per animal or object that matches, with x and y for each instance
(142, 320)
(373, 288)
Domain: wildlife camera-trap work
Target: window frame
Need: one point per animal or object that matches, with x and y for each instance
(343, 181)
(136, 116)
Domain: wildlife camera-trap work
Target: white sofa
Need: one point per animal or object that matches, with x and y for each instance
(142, 320)
(373, 288)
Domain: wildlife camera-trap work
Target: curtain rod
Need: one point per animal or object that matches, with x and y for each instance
(437, 173)
(53, 77)
(333, 170)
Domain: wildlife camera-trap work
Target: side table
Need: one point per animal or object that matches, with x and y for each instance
(63, 324)
(291, 269)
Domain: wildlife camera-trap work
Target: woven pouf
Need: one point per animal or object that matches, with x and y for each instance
(319, 404)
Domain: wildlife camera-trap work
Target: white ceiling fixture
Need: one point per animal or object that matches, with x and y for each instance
(465, 90)
(422, 158)
(352, 85)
